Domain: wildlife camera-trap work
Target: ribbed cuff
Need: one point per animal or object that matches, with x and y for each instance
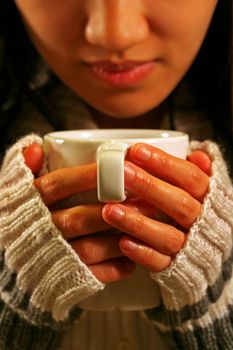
(17, 333)
(209, 241)
(47, 267)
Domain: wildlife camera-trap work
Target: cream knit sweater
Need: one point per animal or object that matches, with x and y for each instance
(42, 279)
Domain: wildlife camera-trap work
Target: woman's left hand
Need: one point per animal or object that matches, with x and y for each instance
(173, 186)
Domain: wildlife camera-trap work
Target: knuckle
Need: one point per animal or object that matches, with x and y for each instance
(119, 268)
(162, 159)
(195, 175)
(185, 205)
(66, 223)
(148, 254)
(198, 182)
(151, 260)
(87, 178)
(184, 209)
(175, 241)
(145, 184)
(138, 224)
(47, 186)
(188, 210)
(114, 273)
(71, 225)
(86, 251)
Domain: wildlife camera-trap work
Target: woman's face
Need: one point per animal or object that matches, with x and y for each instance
(155, 41)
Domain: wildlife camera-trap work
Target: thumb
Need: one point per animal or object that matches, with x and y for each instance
(202, 160)
(34, 156)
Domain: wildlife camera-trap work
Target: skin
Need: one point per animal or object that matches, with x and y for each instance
(69, 33)
(76, 32)
(85, 227)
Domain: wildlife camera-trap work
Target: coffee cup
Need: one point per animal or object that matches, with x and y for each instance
(108, 147)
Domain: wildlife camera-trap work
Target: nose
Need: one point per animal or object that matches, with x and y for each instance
(116, 25)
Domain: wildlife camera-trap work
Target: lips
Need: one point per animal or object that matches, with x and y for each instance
(122, 74)
(121, 67)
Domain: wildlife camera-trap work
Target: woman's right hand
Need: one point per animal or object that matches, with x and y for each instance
(82, 226)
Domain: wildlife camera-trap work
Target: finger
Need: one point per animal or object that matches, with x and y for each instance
(144, 255)
(63, 183)
(173, 201)
(176, 171)
(202, 160)
(34, 156)
(95, 249)
(113, 270)
(86, 219)
(79, 221)
(164, 238)
(141, 206)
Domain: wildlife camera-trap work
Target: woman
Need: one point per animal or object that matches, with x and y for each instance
(44, 278)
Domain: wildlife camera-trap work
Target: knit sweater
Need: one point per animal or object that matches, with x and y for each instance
(42, 279)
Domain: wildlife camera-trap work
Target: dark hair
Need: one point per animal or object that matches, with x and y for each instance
(210, 75)
(18, 64)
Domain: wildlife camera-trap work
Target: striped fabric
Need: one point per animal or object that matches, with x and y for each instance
(35, 310)
(197, 289)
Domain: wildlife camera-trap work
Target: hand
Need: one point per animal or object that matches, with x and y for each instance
(176, 187)
(82, 226)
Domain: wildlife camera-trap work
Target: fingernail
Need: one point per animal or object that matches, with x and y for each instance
(142, 153)
(129, 245)
(116, 213)
(129, 172)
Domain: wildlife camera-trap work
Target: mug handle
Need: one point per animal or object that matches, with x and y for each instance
(110, 172)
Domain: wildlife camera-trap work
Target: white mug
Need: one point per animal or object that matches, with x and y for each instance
(108, 148)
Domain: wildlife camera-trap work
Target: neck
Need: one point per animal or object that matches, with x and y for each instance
(150, 120)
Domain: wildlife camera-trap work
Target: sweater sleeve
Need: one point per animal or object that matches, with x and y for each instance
(42, 279)
(197, 289)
